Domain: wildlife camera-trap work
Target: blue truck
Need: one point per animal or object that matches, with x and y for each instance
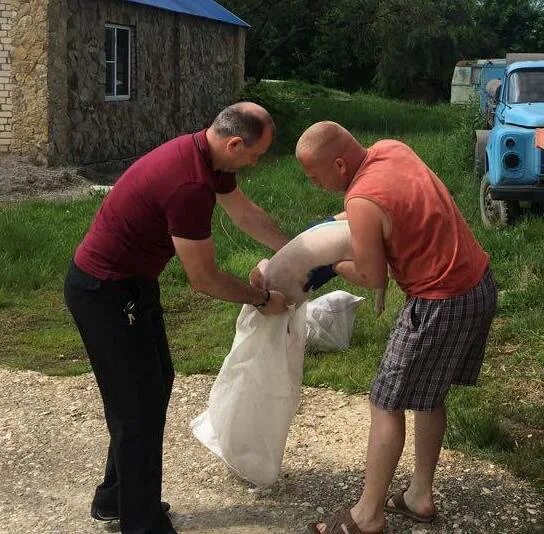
(509, 154)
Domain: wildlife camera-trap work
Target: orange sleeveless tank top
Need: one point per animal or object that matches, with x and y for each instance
(431, 252)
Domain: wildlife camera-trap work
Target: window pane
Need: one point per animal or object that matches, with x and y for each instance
(526, 86)
(110, 44)
(123, 60)
(110, 70)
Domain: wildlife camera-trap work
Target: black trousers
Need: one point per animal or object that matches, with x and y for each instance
(131, 361)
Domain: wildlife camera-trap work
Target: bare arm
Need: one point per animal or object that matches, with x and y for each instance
(252, 219)
(198, 260)
(368, 225)
(369, 268)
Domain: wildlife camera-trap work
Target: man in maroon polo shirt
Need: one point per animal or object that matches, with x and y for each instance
(162, 206)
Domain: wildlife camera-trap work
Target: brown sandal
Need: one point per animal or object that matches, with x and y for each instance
(400, 507)
(340, 523)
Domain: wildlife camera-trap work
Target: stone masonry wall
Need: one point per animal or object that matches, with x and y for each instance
(185, 69)
(59, 137)
(29, 79)
(6, 17)
(37, 37)
(210, 76)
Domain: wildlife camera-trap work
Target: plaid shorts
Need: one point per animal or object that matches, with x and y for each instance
(434, 344)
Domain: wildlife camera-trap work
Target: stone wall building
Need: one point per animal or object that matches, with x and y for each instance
(91, 81)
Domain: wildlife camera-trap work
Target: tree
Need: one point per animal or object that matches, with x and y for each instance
(342, 48)
(278, 39)
(404, 48)
(510, 26)
(418, 44)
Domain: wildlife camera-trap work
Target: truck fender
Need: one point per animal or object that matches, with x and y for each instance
(482, 137)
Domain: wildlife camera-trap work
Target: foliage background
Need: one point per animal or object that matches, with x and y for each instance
(400, 48)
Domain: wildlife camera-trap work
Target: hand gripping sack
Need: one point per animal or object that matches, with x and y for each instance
(257, 390)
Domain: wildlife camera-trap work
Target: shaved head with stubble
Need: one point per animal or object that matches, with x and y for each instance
(329, 155)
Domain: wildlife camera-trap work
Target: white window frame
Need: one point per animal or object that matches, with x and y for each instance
(117, 98)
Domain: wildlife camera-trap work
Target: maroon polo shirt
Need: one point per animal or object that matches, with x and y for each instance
(168, 192)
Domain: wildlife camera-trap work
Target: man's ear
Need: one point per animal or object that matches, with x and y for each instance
(234, 144)
(340, 164)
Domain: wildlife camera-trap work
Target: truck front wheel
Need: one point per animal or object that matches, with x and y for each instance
(496, 213)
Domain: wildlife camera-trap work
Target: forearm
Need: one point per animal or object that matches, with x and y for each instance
(258, 225)
(347, 270)
(224, 286)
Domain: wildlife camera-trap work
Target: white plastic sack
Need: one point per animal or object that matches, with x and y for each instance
(329, 320)
(288, 269)
(257, 391)
(256, 394)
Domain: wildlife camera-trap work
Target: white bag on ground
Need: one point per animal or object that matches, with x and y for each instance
(329, 320)
(257, 391)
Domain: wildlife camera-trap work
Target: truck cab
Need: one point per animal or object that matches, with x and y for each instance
(509, 156)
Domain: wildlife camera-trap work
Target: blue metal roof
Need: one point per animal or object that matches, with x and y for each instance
(208, 9)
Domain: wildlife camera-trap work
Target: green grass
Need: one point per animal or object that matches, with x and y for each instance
(501, 419)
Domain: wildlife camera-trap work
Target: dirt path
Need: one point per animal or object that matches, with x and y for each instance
(21, 180)
(53, 442)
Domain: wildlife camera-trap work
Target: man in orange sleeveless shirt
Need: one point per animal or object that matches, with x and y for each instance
(402, 216)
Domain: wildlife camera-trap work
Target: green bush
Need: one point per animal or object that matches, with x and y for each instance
(286, 108)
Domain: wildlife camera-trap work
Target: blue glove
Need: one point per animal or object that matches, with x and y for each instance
(318, 277)
(315, 223)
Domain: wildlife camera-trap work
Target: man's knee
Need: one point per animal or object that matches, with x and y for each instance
(382, 412)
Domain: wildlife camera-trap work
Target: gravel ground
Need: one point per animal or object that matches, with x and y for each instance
(53, 443)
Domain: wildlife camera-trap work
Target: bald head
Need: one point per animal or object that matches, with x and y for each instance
(246, 120)
(329, 155)
(324, 141)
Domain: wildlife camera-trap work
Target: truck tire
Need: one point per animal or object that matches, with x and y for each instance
(496, 213)
(479, 153)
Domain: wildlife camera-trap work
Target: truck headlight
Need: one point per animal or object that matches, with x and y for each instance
(511, 161)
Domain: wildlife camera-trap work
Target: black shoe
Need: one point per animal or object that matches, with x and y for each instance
(111, 515)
